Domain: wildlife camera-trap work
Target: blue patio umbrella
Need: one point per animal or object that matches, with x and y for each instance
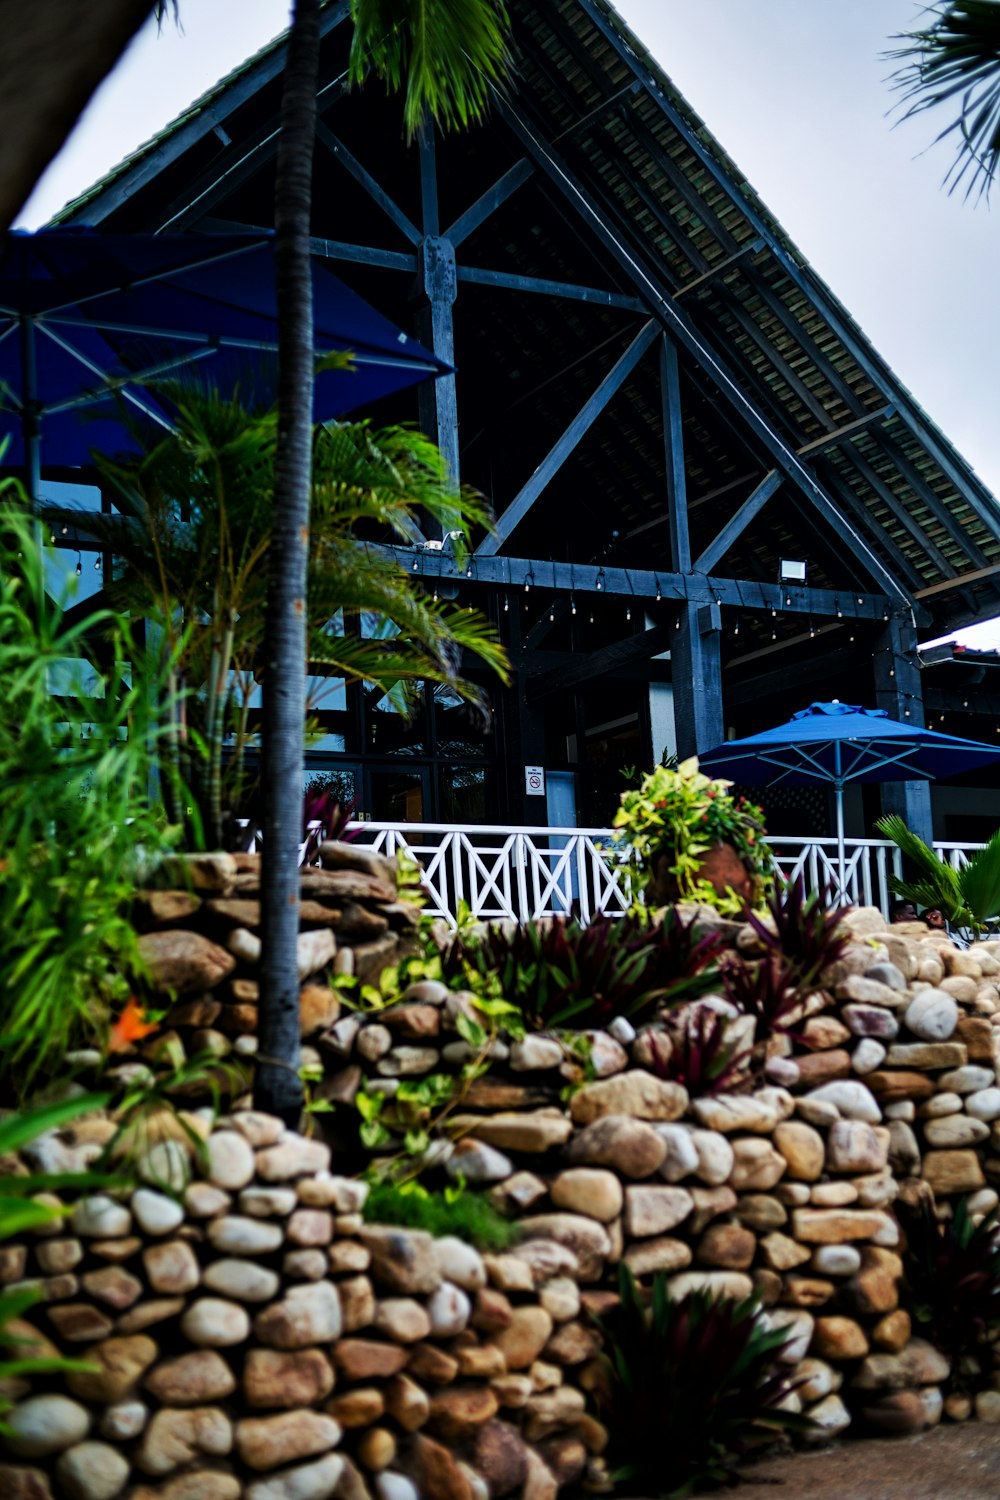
(85, 315)
(835, 743)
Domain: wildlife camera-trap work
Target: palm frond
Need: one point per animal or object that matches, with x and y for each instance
(443, 53)
(980, 881)
(955, 62)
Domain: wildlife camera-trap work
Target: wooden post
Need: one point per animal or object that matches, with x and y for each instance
(899, 690)
(696, 667)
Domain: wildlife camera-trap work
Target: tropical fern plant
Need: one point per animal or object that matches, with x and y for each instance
(969, 897)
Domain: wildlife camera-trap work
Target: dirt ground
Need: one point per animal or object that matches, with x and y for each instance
(950, 1463)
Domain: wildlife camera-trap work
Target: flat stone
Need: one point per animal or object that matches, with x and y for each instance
(895, 1084)
(191, 1379)
(782, 1253)
(729, 1112)
(932, 1015)
(852, 1100)
(230, 1159)
(238, 1235)
(984, 1104)
(536, 1054)
(756, 1164)
(636, 1093)
(456, 1412)
(448, 1311)
(408, 1062)
(43, 1425)
(156, 1213)
(294, 1156)
(926, 1056)
(918, 1364)
(202, 1200)
(729, 1247)
(175, 1436)
(534, 1131)
(734, 1284)
(243, 1280)
(969, 1079)
(899, 1413)
(171, 1267)
(855, 1146)
(123, 1421)
(715, 1155)
(286, 1378)
(588, 1190)
(268, 1442)
(403, 1260)
(839, 1338)
(523, 1340)
(681, 1159)
(308, 1314)
(585, 1237)
(119, 1365)
(115, 1287)
(955, 1130)
(655, 1210)
(802, 1148)
(760, 1211)
(874, 1289)
(475, 1162)
(837, 1226)
(317, 1480)
(183, 961)
(871, 1021)
(91, 1471)
(629, 1146)
(953, 1171)
(215, 1323)
(836, 1260)
(100, 1217)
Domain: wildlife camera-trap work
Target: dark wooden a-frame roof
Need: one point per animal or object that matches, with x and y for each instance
(615, 273)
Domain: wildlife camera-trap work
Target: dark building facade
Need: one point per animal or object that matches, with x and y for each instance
(662, 401)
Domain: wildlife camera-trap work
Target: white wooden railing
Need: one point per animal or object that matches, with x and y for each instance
(524, 873)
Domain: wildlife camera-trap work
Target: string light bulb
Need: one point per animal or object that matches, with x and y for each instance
(628, 612)
(572, 605)
(506, 604)
(600, 580)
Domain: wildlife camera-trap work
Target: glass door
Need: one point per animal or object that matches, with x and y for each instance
(398, 794)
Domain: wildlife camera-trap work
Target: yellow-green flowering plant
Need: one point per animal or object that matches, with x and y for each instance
(676, 816)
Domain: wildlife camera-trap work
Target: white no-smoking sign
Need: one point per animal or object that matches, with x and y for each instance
(534, 781)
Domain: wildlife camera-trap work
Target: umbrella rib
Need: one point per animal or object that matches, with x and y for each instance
(119, 382)
(129, 283)
(88, 364)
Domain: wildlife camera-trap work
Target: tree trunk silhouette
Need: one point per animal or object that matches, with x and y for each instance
(277, 1087)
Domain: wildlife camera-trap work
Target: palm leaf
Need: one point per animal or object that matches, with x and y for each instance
(937, 883)
(955, 62)
(980, 881)
(444, 53)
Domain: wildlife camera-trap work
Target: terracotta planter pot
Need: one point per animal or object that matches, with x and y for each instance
(721, 867)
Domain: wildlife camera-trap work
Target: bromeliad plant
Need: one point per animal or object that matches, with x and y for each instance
(951, 1271)
(687, 1388)
(679, 813)
(563, 974)
(969, 897)
(697, 1053)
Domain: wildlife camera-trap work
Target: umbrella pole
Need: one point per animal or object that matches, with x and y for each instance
(30, 425)
(841, 861)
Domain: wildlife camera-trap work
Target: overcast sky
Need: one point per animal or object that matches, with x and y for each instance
(796, 92)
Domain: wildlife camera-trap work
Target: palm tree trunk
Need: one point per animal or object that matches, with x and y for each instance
(278, 1088)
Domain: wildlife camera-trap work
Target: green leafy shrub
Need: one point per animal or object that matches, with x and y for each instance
(687, 1388)
(679, 812)
(699, 1056)
(951, 1271)
(563, 974)
(76, 826)
(21, 1214)
(455, 1211)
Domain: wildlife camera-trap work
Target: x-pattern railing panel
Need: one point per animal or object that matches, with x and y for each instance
(520, 874)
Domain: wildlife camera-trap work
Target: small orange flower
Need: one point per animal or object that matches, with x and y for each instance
(131, 1026)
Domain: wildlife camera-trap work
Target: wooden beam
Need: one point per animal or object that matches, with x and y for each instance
(361, 175)
(782, 645)
(673, 443)
(683, 330)
(719, 268)
(487, 203)
(737, 524)
(510, 280)
(631, 583)
(640, 646)
(557, 455)
(899, 690)
(780, 681)
(364, 255)
(962, 580)
(830, 439)
(696, 659)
